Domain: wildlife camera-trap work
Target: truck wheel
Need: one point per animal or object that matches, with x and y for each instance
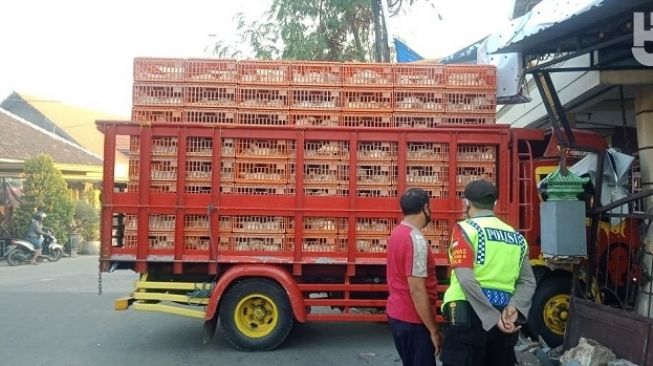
(255, 315)
(550, 309)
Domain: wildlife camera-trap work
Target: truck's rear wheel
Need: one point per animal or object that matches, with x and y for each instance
(255, 315)
(550, 309)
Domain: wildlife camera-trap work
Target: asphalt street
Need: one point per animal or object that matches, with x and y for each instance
(51, 315)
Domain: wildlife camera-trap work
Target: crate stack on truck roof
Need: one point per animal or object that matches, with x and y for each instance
(301, 161)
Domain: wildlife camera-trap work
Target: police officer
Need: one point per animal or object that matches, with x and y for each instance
(491, 285)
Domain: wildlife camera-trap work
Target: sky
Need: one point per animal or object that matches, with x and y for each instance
(81, 51)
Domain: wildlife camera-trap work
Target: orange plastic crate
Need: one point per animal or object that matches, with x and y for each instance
(131, 223)
(316, 73)
(374, 226)
(268, 172)
(477, 153)
(212, 71)
(225, 224)
(469, 172)
(198, 187)
(303, 97)
(429, 152)
(371, 243)
(228, 147)
(260, 189)
(439, 244)
(367, 74)
(162, 223)
(379, 174)
(421, 173)
(471, 101)
(325, 172)
(437, 227)
(361, 119)
(419, 100)
(132, 186)
(159, 69)
(259, 243)
(427, 76)
(435, 191)
(471, 76)
(377, 151)
(263, 97)
(164, 145)
(326, 150)
(315, 118)
(263, 118)
(326, 190)
(157, 114)
(196, 223)
(260, 224)
(227, 170)
(210, 115)
(198, 170)
(199, 147)
(263, 72)
(134, 169)
(416, 120)
(148, 94)
(323, 225)
(367, 99)
(324, 244)
(277, 149)
(194, 242)
(164, 170)
(210, 95)
(134, 145)
(468, 118)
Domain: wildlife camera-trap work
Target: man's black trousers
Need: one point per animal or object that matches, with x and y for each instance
(471, 345)
(413, 343)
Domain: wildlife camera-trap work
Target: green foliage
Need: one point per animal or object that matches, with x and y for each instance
(44, 189)
(86, 220)
(321, 30)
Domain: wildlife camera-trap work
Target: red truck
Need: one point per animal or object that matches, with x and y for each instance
(261, 193)
(219, 247)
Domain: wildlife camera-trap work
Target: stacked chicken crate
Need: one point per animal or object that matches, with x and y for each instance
(218, 92)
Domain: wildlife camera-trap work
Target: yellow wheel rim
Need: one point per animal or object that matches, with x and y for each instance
(556, 312)
(256, 315)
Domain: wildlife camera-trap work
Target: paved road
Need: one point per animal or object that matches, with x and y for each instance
(51, 315)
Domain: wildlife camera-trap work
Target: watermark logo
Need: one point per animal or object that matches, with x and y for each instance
(641, 35)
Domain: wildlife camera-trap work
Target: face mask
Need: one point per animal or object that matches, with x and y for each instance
(427, 216)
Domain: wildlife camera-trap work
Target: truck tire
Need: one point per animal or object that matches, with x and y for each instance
(255, 315)
(550, 310)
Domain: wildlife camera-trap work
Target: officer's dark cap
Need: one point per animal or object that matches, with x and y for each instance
(481, 191)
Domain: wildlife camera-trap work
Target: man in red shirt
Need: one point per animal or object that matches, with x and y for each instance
(412, 284)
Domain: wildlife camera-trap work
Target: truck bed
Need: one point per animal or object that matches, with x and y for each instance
(201, 196)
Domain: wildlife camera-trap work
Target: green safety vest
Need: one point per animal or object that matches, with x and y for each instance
(498, 255)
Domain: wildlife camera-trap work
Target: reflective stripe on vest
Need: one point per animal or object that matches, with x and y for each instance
(499, 253)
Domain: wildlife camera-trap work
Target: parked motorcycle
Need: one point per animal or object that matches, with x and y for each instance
(5, 246)
(22, 251)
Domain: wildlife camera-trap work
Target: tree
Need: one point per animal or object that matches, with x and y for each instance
(44, 189)
(325, 30)
(86, 220)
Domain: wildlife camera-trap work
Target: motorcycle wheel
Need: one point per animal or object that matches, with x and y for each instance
(55, 255)
(15, 258)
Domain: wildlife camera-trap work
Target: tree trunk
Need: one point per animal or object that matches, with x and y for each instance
(378, 32)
